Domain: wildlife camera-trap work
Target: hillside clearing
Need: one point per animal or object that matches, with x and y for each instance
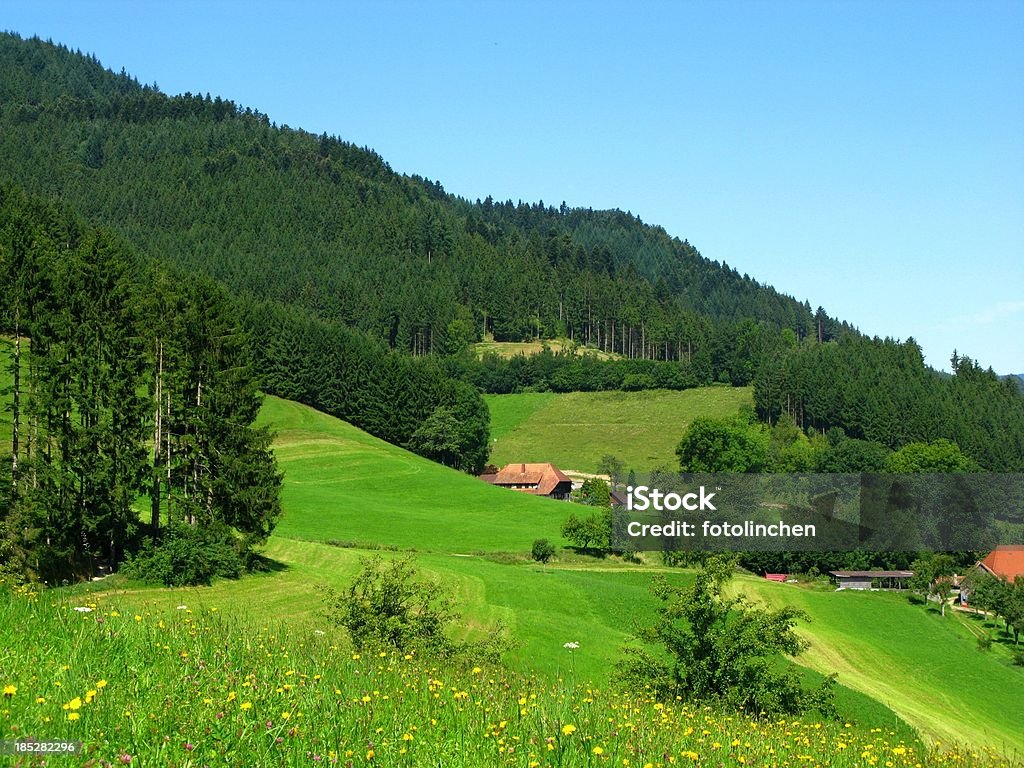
(576, 429)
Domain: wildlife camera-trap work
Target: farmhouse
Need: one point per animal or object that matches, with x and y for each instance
(1004, 562)
(535, 479)
(869, 579)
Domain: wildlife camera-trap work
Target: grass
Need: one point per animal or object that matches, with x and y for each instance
(918, 664)
(575, 430)
(345, 485)
(194, 687)
(541, 609)
(527, 348)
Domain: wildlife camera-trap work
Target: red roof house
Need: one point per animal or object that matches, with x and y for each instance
(1005, 562)
(535, 479)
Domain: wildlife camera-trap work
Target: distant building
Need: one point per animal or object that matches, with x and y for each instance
(871, 579)
(535, 479)
(1004, 562)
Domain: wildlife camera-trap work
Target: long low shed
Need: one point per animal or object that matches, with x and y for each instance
(871, 579)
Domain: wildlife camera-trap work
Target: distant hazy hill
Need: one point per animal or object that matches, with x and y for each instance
(282, 214)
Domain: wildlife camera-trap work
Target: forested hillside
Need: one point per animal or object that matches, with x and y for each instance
(314, 221)
(365, 289)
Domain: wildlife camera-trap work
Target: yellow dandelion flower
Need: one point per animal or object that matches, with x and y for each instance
(101, 683)
(477, 670)
(90, 695)
(568, 729)
(407, 737)
(285, 715)
(598, 751)
(369, 754)
(75, 703)
(40, 700)
(73, 716)
(245, 705)
(10, 690)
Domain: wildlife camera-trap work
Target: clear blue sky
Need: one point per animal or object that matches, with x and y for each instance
(866, 156)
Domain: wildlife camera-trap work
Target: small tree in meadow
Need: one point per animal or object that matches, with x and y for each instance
(724, 649)
(542, 551)
(389, 604)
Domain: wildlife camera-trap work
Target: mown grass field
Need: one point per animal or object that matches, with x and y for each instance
(574, 430)
(920, 665)
(345, 485)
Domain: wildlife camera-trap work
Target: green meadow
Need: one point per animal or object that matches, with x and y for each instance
(910, 659)
(896, 663)
(344, 485)
(574, 430)
(199, 685)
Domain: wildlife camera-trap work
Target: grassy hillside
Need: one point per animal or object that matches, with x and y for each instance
(513, 348)
(907, 660)
(574, 430)
(195, 686)
(597, 604)
(345, 485)
(911, 660)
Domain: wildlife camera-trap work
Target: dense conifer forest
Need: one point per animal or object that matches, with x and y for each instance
(125, 380)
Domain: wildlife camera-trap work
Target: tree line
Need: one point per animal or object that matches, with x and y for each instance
(122, 380)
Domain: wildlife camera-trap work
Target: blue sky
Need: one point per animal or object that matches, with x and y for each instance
(866, 156)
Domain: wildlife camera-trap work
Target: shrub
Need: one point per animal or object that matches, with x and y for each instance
(187, 556)
(389, 604)
(542, 551)
(723, 649)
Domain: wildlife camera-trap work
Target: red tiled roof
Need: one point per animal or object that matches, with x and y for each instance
(1006, 561)
(545, 477)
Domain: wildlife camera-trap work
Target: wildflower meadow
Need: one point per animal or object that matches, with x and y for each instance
(190, 686)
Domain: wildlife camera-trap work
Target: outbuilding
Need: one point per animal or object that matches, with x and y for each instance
(871, 579)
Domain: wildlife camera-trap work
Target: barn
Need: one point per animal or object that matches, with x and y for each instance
(871, 579)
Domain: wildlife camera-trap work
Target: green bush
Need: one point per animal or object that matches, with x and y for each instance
(543, 550)
(187, 556)
(389, 605)
(723, 649)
